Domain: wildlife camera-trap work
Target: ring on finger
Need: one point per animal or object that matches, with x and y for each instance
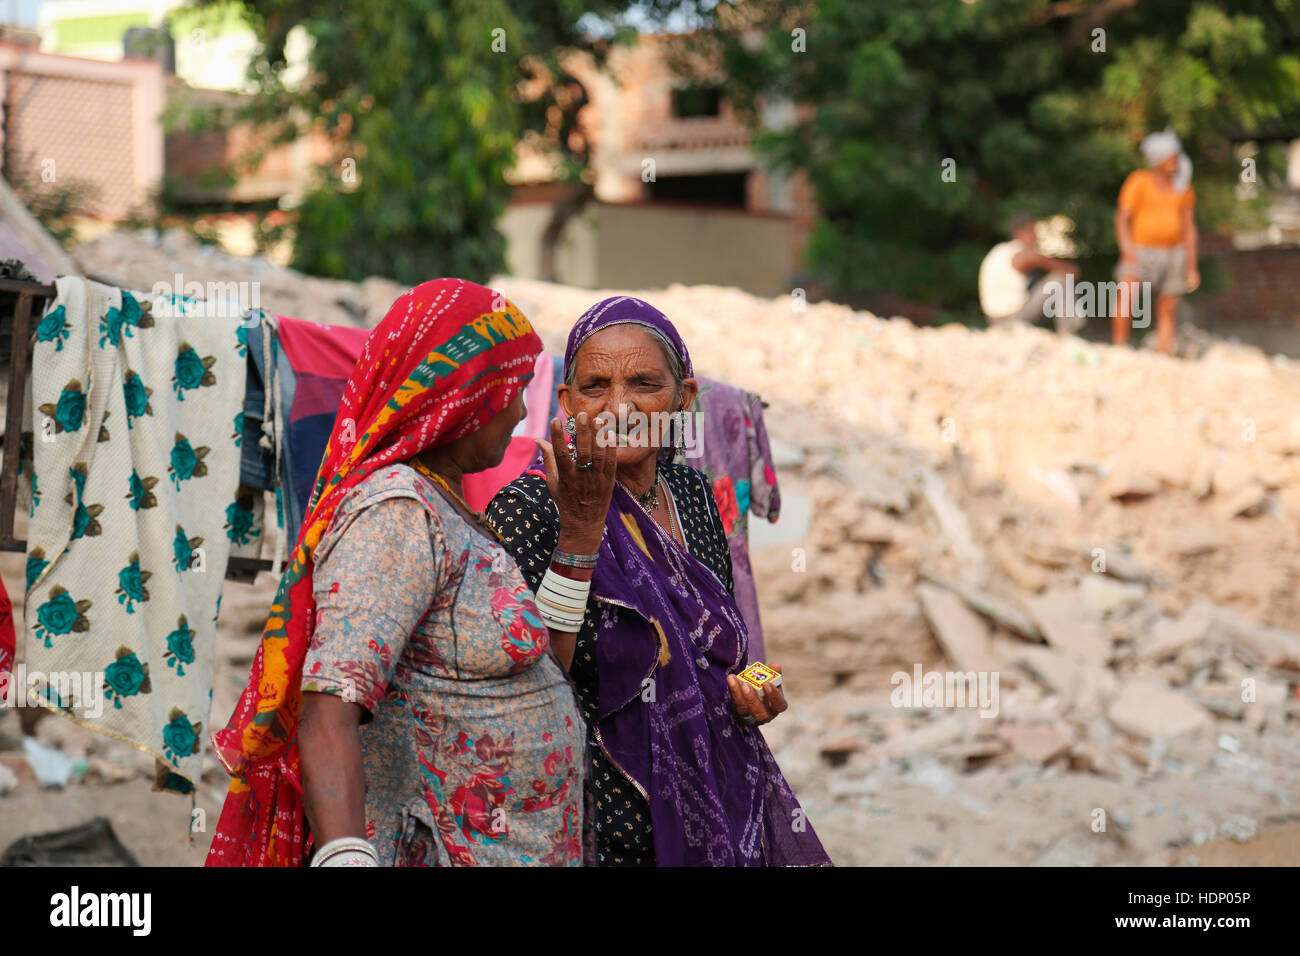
(749, 720)
(587, 465)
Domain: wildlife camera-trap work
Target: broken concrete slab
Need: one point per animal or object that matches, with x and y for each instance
(1147, 709)
(1247, 501)
(995, 608)
(1023, 574)
(1081, 685)
(1128, 484)
(1069, 625)
(1170, 636)
(1260, 645)
(953, 521)
(1106, 595)
(1115, 560)
(1195, 540)
(933, 736)
(1037, 743)
(961, 632)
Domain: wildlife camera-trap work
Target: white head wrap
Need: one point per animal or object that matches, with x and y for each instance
(1158, 147)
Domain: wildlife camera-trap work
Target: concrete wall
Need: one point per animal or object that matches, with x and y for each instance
(643, 246)
(87, 120)
(576, 258)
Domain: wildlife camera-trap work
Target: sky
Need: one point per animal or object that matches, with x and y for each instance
(21, 12)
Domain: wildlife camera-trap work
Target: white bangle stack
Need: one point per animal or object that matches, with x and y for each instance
(562, 601)
(346, 851)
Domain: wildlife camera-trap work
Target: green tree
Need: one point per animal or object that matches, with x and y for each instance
(424, 101)
(410, 92)
(1035, 104)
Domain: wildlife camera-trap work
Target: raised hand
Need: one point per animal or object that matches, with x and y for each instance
(581, 494)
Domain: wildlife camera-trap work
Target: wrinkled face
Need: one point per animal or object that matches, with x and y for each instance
(1169, 167)
(485, 448)
(622, 366)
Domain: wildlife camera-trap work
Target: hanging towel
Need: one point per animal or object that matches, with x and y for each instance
(737, 460)
(136, 461)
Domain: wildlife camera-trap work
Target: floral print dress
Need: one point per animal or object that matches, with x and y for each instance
(472, 740)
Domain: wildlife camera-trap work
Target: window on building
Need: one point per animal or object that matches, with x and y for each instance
(692, 101)
(714, 189)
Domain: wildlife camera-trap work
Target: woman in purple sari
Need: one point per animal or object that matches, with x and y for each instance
(626, 553)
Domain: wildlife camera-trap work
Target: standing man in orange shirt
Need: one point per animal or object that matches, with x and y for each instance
(1156, 228)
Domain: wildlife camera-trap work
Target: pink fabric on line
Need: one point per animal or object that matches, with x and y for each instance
(320, 350)
(481, 487)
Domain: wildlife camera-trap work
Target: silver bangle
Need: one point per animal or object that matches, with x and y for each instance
(562, 602)
(346, 851)
(575, 560)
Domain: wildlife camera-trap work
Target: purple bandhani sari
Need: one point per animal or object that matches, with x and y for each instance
(670, 633)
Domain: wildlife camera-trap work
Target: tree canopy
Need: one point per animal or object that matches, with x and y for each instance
(1034, 105)
(424, 102)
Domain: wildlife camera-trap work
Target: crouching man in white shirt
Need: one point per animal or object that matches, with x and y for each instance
(1016, 280)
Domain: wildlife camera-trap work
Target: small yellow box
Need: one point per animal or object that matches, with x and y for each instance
(758, 675)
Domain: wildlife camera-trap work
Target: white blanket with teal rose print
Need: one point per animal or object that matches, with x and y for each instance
(135, 414)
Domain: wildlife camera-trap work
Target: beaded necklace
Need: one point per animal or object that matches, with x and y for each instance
(649, 501)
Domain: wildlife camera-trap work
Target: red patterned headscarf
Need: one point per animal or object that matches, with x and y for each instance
(448, 357)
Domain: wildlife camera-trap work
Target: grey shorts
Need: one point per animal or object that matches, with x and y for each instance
(1164, 267)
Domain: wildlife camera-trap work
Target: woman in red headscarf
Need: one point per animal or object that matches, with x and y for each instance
(404, 707)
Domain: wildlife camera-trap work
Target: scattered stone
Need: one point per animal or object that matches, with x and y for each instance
(1262, 646)
(1229, 743)
(1170, 636)
(1105, 595)
(1130, 485)
(1149, 710)
(1003, 612)
(1037, 743)
(1023, 574)
(960, 631)
(1118, 563)
(1232, 474)
(933, 736)
(1248, 501)
(837, 752)
(1239, 828)
(1060, 484)
(1069, 626)
(882, 491)
(952, 520)
(1194, 540)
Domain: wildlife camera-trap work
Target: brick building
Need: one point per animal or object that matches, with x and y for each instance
(70, 120)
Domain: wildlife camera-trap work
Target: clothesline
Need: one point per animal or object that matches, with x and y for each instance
(194, 419)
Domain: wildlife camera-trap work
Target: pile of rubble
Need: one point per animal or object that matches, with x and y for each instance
(1109, 532)
(175, 258)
